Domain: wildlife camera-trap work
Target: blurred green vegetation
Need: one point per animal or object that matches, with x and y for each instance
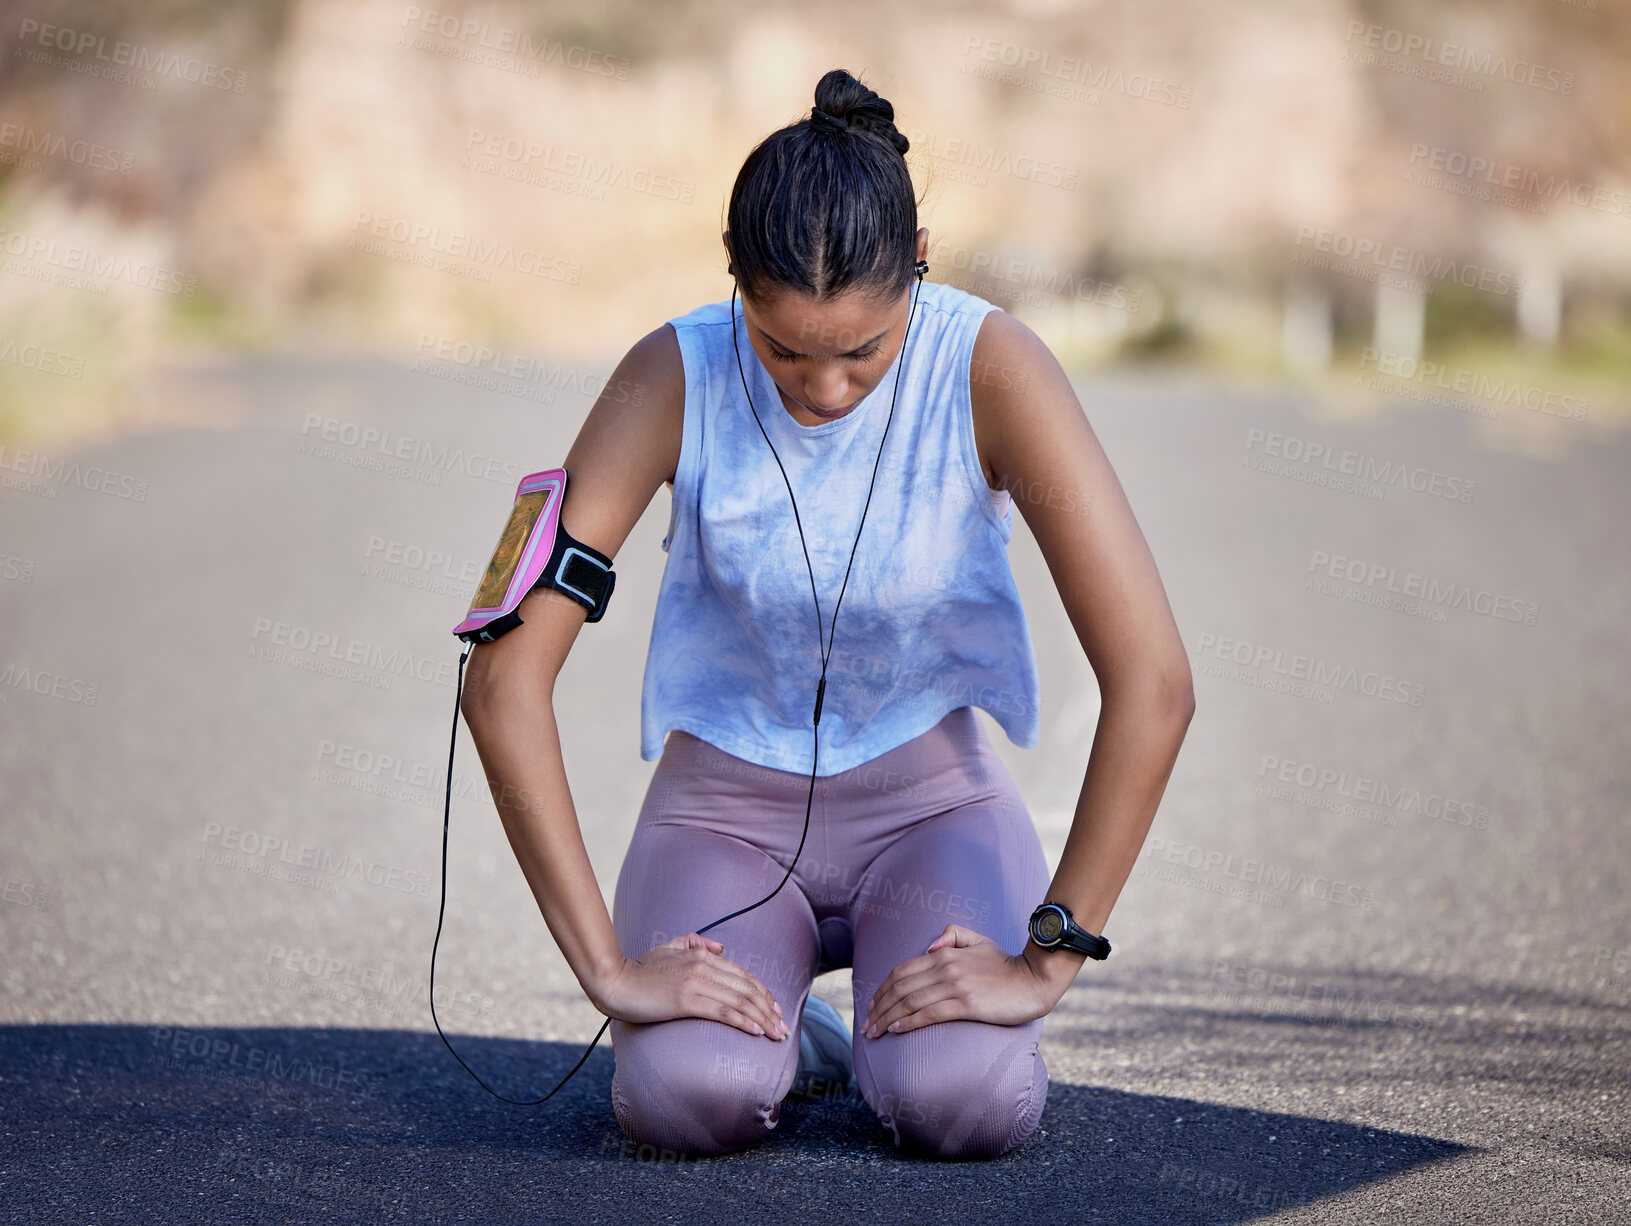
(258, 195)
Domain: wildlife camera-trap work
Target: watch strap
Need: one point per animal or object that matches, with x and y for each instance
(1074, 937)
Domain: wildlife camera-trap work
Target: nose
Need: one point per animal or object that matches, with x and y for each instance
(826, 390)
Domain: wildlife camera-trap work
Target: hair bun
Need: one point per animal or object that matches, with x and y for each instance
(843, 97)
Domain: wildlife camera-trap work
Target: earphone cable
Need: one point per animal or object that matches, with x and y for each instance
(824, 640)
(446, 812)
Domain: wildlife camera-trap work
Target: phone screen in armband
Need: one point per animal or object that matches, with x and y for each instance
(507, 557)
(520, 558)
(535, 548)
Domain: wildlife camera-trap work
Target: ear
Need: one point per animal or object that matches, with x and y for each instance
(730, 268)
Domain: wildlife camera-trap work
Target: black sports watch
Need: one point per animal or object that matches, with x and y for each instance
(1053, 928)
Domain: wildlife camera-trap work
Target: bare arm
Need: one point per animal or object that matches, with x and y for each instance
(1037, 444)
(628, 446)
(1040, 446)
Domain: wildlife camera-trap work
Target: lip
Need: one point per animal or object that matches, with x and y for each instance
(828, 413)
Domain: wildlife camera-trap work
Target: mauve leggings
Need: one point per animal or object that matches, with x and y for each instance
(930, 833)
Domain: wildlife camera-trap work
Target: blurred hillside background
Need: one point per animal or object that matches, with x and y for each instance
(1395, 201)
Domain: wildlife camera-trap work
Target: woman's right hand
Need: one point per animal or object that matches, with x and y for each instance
(689, 976)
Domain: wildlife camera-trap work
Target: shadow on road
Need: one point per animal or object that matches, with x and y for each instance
(382, 1125)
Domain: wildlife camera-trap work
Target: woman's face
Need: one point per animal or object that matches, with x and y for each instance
(826, 357)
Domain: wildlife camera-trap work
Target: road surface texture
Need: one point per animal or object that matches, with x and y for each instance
(1373, 964)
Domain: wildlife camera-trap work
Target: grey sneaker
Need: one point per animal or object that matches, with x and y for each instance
(826, 1065)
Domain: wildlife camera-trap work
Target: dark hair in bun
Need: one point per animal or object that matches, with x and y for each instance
(826, 205)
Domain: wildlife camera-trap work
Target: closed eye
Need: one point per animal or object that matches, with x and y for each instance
(859, 357)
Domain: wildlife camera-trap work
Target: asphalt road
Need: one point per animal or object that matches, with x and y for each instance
(1373, 966)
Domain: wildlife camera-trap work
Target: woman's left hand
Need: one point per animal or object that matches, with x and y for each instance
(962, 975)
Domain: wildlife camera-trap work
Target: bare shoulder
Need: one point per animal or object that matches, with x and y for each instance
(1009, 365)
(1039, 445)
(629, 444)
(627, 447)
(651, 379)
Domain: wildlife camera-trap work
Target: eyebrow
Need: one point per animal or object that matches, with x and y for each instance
(850, 353)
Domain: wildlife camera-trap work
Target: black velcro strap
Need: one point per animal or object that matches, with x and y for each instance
(581, 572)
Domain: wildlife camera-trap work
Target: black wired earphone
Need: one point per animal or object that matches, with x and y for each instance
(921, 268)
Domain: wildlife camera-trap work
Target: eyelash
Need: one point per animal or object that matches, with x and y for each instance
(859, 357)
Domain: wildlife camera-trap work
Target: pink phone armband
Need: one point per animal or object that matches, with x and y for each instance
(535, 550)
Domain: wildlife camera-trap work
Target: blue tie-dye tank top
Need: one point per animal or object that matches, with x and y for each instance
(930, 619)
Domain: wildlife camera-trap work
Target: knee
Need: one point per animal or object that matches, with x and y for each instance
(945, 1105)
(695, 1104)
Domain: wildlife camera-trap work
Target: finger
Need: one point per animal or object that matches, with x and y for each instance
(889, 1003)
(739, 1000)
(947, 937)
(758, 1002)
(961, 938)
(949, 1009)
(738, 1019)
(932, 1002)
(912, 966)
(688, 940)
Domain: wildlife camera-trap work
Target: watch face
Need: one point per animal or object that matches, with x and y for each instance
(1050, 926)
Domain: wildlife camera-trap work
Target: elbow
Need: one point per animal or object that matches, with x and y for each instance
(1164, 693)
(1180, 690)
(491, 699)
(477, 704)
